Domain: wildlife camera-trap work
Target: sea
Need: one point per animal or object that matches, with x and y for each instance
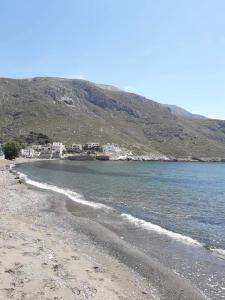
(173, 212)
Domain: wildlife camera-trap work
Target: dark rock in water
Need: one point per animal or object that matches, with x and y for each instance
(81, 157)
(102, 157)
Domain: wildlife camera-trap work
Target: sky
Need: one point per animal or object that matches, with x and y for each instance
(171, 51)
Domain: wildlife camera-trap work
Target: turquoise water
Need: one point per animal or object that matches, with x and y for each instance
(171, 212)
(185, 198)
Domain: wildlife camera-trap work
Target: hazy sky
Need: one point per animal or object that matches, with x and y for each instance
(172, 51)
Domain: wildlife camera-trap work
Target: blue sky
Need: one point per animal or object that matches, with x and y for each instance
(172, 51)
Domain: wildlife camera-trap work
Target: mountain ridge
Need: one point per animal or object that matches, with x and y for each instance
(181, 112)
(75, 110)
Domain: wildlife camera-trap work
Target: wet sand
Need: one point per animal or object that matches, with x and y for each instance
(168, 284)
(50, 250)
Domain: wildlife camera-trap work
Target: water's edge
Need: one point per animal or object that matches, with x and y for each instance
(78, 198)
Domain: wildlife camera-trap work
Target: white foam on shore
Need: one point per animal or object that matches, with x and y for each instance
(68, 193)
(76, 197)
(218, 252)
(149, 226)
(11, 166)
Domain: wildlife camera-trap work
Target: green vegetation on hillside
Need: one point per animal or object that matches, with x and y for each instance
(11, 150)
(34, 138)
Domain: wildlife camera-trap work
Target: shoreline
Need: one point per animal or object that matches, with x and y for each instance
(107, 240)
(33, 242)
(21, 160)
(72, 197)
(140, 287)
(167, 283)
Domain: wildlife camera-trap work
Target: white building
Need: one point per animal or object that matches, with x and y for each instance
(28, 153)
(57, 150)
(46, 151)
(37, 150)
(111, 148)
(91, 146)
(76, 148)
(46, 148)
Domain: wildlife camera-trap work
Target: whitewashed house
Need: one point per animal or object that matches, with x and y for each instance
(46, 151)
(28, 153)
(37, 150)
(57, 150)
(111, 148)
(77, 148)
(91, 146)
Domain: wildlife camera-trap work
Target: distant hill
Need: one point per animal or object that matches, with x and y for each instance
(109, 87)
(180, 112)
(81, 111)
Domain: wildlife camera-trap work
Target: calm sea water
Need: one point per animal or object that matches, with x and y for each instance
(172, 212)
(186, 198)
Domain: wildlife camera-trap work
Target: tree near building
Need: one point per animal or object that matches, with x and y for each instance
(11, 150)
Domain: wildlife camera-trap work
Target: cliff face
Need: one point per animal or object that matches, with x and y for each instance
(81, 111)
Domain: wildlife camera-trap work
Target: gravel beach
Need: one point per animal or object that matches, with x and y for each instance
(53, 248)
(40, 259)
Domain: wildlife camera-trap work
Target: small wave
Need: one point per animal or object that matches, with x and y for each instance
(11, 166)
(149, 226)
(218, 252)
(68, 193)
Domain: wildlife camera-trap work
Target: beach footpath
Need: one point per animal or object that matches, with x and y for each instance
(38, 262)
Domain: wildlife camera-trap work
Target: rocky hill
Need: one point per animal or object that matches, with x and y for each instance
(180, 112)
(80, 111)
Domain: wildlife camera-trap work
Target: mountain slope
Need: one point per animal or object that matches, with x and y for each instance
(80, 111)
(180, 112)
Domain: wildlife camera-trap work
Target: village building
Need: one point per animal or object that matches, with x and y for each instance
(111, 148)
(75, 148)
(28, 153)
(58, 150)
(37, 150)
(91, 146)
(46, 151)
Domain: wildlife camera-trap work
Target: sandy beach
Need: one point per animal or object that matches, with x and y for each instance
(51, 248)
(38, 261)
